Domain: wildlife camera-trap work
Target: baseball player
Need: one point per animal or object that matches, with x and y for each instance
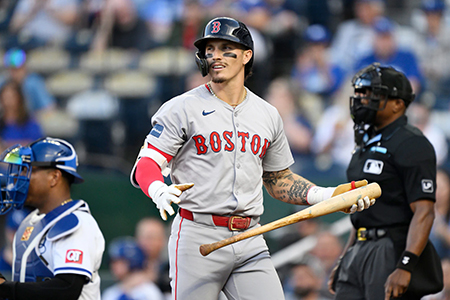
(58, 247)
(228, 142)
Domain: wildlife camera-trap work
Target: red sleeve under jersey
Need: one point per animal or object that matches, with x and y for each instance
(147, 170)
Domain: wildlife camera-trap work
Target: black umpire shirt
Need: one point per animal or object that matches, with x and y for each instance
(403, 162)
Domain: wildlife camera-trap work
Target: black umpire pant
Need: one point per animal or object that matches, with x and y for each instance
(364, 270)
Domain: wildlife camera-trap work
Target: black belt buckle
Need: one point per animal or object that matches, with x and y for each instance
(362, 234)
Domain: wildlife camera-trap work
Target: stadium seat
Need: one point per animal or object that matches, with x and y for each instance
(98, 110)
(93, 105)
(167, 61)
(110, 60)
(47, 60)
(130, 84)
(58, 123)
(69, 82)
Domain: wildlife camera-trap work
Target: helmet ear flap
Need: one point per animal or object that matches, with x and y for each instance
(202, 63)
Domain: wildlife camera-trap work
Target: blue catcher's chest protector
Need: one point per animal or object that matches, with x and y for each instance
(29, 265)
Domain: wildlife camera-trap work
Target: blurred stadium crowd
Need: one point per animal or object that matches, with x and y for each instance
(94, 71)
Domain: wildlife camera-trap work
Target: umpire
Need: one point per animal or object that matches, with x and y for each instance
(388, 254)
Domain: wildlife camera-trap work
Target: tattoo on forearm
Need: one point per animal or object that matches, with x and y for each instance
(287, 186)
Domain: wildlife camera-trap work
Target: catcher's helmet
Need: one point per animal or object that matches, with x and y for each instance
(17, 162)
(127, 249)
(383, 83)
(226, 29)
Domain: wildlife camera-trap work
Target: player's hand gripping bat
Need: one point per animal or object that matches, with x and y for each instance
(333, 204)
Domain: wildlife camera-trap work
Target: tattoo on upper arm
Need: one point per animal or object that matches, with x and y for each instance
(287, 186)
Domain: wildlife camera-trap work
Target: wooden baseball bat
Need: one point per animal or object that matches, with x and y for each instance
(333, 204)
(185, 186)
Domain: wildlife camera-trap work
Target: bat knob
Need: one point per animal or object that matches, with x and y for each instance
(205, 249)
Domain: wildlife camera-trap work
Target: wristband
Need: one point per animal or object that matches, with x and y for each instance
(318, 194)
(407, 261)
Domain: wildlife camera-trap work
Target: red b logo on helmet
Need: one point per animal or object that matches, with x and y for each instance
(215, 27)
(74, 256)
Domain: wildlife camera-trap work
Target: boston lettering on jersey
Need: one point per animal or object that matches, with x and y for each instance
(219, 142)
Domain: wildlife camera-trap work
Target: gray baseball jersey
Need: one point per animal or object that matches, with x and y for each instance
(221, 149)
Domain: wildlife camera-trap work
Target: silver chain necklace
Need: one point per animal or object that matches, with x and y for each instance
(214, 94)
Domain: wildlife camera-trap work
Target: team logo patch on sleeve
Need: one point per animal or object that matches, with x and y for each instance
(157, 130)
(26, 234)
(74, 256)
(427, 186)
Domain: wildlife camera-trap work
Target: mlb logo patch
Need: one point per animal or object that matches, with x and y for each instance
(74, 256)
(27, 233)
(427, 186)
(157, 130)
(373, 166)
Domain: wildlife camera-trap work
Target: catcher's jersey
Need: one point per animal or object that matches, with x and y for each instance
(77, 250)
(221, 149)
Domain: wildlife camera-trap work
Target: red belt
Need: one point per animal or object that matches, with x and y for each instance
(233, 222)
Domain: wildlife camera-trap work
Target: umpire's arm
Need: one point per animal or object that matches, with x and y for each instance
(420, 227)
(418, 233)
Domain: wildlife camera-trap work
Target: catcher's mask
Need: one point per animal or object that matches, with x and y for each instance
(17, 162)
(226, 29)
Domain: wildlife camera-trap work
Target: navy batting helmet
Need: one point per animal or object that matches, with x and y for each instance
(226, 29)
(127, 249)
(17, 162)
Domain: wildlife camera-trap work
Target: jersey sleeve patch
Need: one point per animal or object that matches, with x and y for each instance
(74, 256)
(157, 130)
(427, 186)
(63, 227)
